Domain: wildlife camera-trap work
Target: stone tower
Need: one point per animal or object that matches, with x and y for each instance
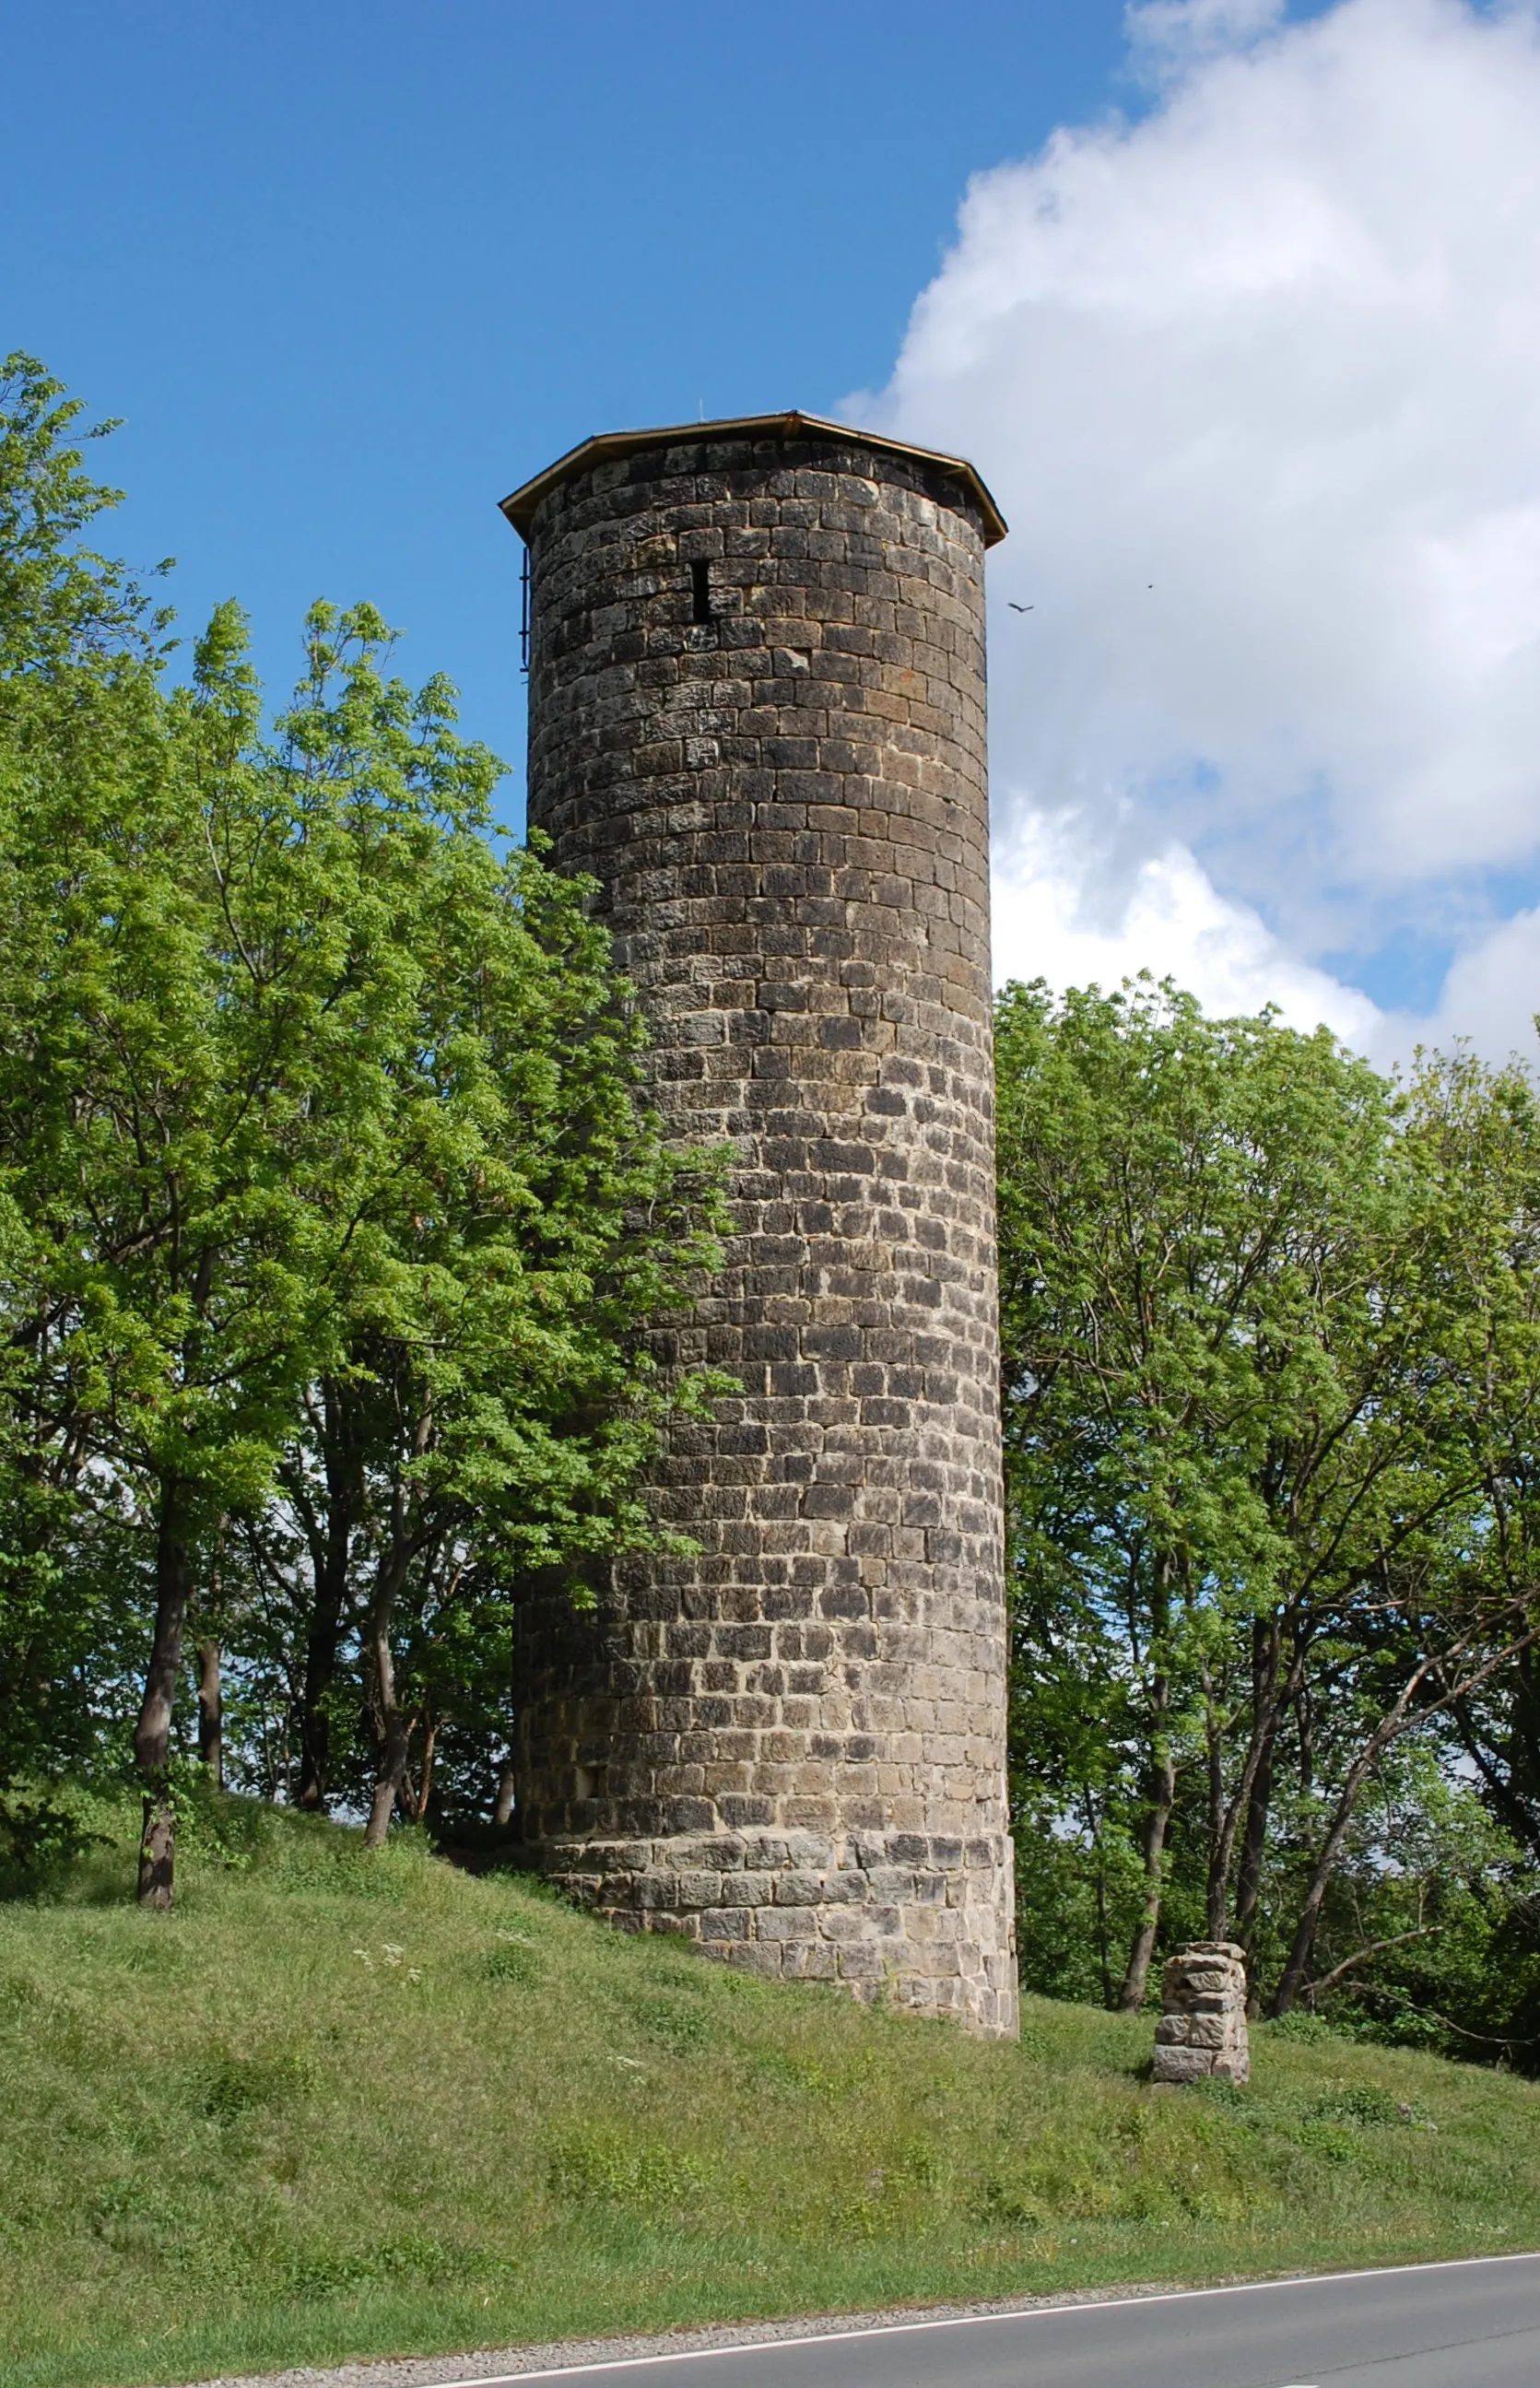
(757, 717)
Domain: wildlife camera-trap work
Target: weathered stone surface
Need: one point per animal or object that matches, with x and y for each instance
(1203, 2029)
(785, 807)
(1183, 2064)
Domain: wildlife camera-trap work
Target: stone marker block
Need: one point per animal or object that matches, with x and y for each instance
(1202, 2033)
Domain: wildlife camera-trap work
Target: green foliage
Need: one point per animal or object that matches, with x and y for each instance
(41, 1840)
(1270, 1337)
(61, 601)
(1185, 1206)
(606, 2168)
(330, 1213)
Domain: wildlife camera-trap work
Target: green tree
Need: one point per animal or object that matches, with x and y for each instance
(62, 603)
(1248, 1358)
(306, 1099)
(194, 982)
(1167, 1297)
(492, 1400)
(80, 644)
(1448, 1592)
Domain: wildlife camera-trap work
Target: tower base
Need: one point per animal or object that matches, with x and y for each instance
(903, 1919)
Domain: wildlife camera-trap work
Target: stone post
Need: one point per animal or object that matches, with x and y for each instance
(1202, 2032)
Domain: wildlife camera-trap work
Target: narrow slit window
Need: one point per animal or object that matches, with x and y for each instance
(700, 591)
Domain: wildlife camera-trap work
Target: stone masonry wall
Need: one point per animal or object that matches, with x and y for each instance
(793, 1746)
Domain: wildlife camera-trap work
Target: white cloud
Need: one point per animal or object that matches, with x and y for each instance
(1492, 991)
(1168, 35)
(1170, 922)
(1275, 349)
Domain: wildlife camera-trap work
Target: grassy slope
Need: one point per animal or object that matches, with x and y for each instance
(334, 2105)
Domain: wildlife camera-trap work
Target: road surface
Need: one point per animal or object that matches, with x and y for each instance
(1465, 2325)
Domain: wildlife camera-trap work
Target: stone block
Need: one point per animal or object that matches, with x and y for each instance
(798, 1890)
(1182, 2065)
(724, 1924)
(786, 1924)
(757, 1957)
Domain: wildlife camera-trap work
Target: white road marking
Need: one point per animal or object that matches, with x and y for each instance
(974, 2321)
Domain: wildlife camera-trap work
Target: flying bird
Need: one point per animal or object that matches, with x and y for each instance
(1020, 609)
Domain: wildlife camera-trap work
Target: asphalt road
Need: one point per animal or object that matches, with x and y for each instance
(1473, 2325)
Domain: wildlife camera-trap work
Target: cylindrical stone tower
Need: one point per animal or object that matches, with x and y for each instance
(757, 717)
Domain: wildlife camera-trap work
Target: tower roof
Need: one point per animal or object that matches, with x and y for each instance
(521, 507)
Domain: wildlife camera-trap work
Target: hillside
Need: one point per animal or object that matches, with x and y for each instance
(337, 2105)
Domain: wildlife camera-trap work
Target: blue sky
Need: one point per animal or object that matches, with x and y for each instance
(351, 271)
(1235, 297)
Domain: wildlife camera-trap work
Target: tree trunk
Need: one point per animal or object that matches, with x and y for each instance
(387, 1782)
(1227, 1816)
(1271, 1700)
(152, 1734)
(1163, 1799)
(1221, 1825)
(1304, 1943)
(1501, 1773)
(424, 1788)
(158, 1851)
(210, 1712)
(503, 1807)
(344, 1466)
(1396, 1722)
(321, 1643)
(391, 1728)
(1104, 1950)
(1248, 1888)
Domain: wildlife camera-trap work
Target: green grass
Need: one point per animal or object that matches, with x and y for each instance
(338, 2106)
